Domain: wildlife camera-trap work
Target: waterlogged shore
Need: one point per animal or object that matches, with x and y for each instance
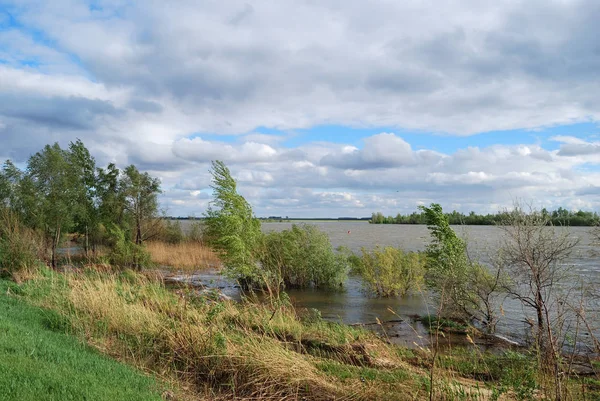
(352, 307)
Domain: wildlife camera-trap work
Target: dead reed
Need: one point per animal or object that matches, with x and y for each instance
(188, 255)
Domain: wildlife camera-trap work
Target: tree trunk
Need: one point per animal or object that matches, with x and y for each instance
(55, 241)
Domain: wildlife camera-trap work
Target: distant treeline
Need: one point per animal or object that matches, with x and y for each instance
(557, 217)
(284, 219)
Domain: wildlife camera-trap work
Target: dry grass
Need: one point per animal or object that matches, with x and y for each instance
(185, 256)
(250, 351)
(236, 351)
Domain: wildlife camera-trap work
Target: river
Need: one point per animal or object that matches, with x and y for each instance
(353, 305)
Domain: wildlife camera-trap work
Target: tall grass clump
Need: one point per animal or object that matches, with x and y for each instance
(20, 247)
(390, 271)
(302, 257)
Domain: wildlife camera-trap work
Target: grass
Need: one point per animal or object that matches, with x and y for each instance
(39, 362)
(247, 350)
(188, 255)
(219, 349)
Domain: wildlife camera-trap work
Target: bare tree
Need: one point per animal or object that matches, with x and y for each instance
(534, 254)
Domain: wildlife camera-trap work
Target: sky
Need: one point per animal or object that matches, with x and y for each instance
(320, 108)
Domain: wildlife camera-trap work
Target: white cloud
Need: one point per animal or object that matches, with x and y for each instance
(149, 83)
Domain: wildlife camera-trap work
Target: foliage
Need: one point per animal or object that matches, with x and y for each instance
(464, 290)
(51, 197)
(125, 253)
(172, 232)
(448, 266)
(62, 191)
(302, 257)
(140, 192)
(390, 271)
(195, 230)
(231, 227)
(20, 247)
(558, 217)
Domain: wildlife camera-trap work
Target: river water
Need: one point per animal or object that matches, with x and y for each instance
(353, 305)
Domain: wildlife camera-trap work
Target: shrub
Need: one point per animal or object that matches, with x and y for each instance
(125, 253)
(20, 247)
(390, 271)
(302, 257)
(195, 232)
(173, 234)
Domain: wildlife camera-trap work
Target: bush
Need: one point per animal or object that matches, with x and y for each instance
(125, 253)
(195, 232)
(390, 271)
(173, 234)
(302, 257)
(20, 247)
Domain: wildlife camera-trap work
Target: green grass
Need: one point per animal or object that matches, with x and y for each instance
(37, 362)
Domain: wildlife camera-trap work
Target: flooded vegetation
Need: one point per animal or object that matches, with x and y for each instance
(230, 308)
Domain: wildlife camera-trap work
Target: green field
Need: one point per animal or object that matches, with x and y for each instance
(38, 362)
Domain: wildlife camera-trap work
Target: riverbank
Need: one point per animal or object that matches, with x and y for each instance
(245, 350)
(38, 361)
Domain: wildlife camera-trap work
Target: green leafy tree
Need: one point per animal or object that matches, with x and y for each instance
(448, 267)
(84, 186)
(231, 227)
(50, 194)
(10, 179)
(111, 200)
(140, 193)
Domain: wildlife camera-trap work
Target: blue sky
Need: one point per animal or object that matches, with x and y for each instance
(378, 107)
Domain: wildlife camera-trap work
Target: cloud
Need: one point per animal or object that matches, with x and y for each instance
(229, 67)
(381, 150)
(153, 84)
(199, 150)
(572, 146)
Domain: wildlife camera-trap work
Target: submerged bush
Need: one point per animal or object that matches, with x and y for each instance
(302, 257)
(20, 247)
(390, 271)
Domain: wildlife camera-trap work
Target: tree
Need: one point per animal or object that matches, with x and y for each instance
(535, 256)
(465, 290)
(10, 178)
(111, 200)
(49, 194)
(448, 265)
(140, 192)
(83, 168)
(231, 227)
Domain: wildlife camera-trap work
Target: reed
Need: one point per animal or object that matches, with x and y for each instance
(188, 255)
